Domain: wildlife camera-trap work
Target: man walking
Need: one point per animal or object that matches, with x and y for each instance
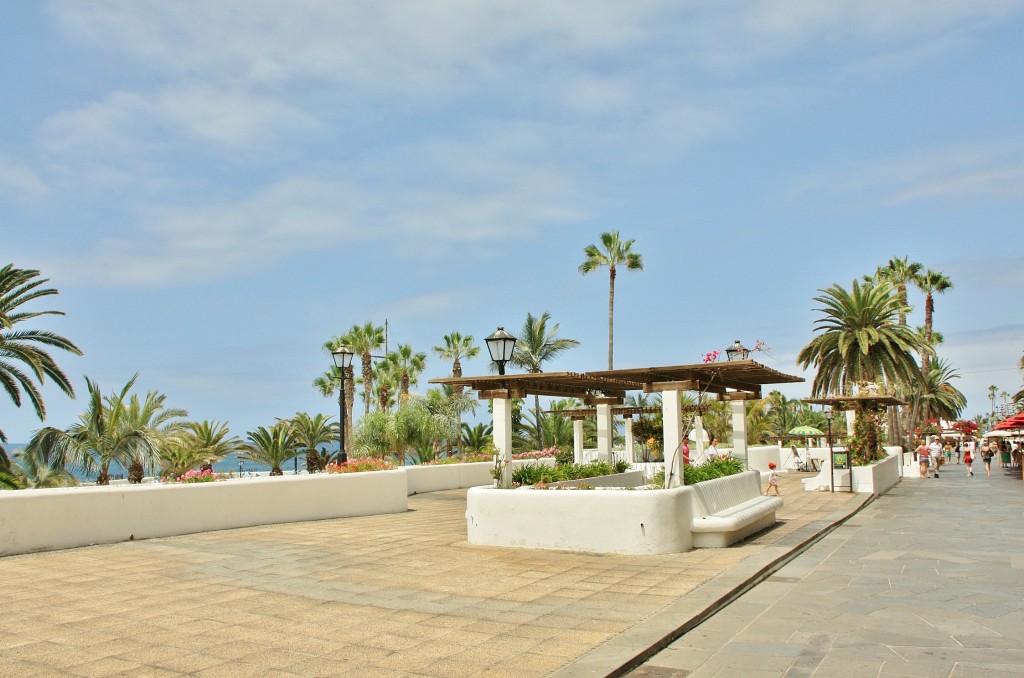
(935, 454)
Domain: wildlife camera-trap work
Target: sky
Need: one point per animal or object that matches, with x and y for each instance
(218, 188)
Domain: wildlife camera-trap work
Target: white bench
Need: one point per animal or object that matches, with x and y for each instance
(725, 510)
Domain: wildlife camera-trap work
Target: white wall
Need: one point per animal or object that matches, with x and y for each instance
(593, 521)
(436, 477)
(43, 520)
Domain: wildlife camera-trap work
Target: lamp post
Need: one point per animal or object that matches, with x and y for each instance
(831, 459)
(737, 352)
(500, 345)
(342, 360)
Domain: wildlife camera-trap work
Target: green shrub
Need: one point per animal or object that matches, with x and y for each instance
(532, 474)
(716, 468)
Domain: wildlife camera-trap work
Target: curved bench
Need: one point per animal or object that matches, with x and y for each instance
(726, 510)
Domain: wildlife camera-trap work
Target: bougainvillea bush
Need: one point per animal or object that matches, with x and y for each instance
(360, 464)
(195, 476)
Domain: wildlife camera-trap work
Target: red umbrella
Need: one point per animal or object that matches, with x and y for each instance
(1014, 422)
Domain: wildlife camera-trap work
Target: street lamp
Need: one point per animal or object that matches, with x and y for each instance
(342, 360)
(737, 352)
(832, 460)
(500, 345)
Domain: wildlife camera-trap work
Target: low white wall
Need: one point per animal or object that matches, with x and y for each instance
(43, 520)
(877, 478)
(593, 521)
(436, 477)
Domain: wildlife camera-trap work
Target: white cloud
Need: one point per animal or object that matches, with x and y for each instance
(18, 182)
(951, 174)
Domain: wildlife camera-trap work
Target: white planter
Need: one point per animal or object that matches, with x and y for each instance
(43, 520)
(877, 478)
(592, 521)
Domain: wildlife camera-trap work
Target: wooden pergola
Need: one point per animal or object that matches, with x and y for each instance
(735, 382)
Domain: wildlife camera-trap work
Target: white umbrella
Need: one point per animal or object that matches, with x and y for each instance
(998, 434)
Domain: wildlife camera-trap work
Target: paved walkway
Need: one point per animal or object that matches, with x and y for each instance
(928, 580)
(396, 595)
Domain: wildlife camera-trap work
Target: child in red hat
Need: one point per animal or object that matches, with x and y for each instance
(773, 480)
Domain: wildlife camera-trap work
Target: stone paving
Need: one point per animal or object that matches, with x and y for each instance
(395, 595)
(928, 580)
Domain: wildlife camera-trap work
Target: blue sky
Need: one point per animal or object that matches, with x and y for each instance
(218, 188)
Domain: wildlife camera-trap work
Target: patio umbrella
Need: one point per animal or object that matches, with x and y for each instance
(997, 434)
(807, 431)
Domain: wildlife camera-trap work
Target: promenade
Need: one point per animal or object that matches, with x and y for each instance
(923, 581)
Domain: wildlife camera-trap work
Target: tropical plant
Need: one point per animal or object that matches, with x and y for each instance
(34, 473)
(387, 381)
(535, 346)
(408, 365)
(162, 426)
(272, 446)
(25, 363)
(476, 438)
(931, 283)
(860, 340)
(935, 396)
(363, 341)
(453, 404)
(900, 273)
(104, 434)
(310, 432)
(613, 253)
(413, 432)
(456, 347)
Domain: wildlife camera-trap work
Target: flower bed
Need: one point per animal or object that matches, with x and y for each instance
(360, 465)
(200, 476)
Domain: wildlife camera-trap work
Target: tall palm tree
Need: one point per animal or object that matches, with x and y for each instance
(387, 379)
(900, 272)
(860, 340)
(102, 436)
(311, 431)
(931, 283)
(614, 253)
(409, 365)
(24, 361)
(456, 347)
(364, 340)
(535, 346)
(992, 391)
(272, 446)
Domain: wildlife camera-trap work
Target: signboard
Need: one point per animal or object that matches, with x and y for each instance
(840, 460)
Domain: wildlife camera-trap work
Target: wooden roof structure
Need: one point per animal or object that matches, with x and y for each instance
(849, 402)
(735, 380)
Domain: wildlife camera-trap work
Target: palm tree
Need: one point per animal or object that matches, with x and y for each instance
(387, 379)
(309, 433)
(103, 435)
(363, 341)
(409, 366)
(936, 397)
(20, 349)
(860, 340)
(160, 424)
(273, 446)
(476, 438)
(900, 272)
(453, 404)
(615, 253)
(212, 441)
(992, 391)
(535, 346)
(931, 283)
(456, 347)
(34, 473)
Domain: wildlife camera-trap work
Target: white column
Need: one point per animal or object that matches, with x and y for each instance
(673, 433)
(577, 440)
(739, 430)
(503, 436)
(850, 418)
(605, 432)
(629, 439)
(701, 435)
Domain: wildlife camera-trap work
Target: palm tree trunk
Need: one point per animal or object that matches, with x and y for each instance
(367, 380)
(540, 434)
(611, 314)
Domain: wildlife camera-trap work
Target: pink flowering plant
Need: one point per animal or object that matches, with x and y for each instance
(537, 454)
(360, 464)
(759, 347)
(197, 476)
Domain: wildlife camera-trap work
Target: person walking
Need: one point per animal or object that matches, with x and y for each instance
(948, 450)
(959, 451)
(986, 456)
(935, 454)
(922, 457)
(968, 460)
(773, 480)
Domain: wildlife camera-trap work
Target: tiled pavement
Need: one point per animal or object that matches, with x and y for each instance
(928, 580)
(395, 595)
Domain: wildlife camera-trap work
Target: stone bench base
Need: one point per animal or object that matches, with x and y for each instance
(728, 527)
